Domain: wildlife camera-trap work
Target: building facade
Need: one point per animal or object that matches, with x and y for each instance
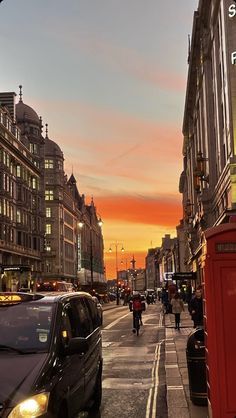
(21, 195)
(40, 209)
(208, 180)
(152, 268)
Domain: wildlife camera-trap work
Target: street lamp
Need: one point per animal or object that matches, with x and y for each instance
(117, 244)
(81, 225)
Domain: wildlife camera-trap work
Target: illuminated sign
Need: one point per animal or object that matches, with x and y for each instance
(232, 14)
(233, 58)
(8, 299)
(232, 10)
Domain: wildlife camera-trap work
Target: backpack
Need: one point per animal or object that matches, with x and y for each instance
(137, 306)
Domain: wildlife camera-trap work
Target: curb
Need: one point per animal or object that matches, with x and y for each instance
(177, 404)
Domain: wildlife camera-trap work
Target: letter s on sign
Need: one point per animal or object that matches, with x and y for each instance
(232, 10)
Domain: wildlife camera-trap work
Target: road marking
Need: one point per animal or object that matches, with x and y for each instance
(174, 387)
(115, 322)
(171, 366)
(152, 396)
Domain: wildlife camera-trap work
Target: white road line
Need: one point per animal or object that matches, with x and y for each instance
(152, 396)
(154, 405)
(115, 322)
(171, 366)
(174, 387)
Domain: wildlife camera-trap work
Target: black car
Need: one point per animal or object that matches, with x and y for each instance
(50, 355)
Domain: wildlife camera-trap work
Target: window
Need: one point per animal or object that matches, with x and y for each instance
(68, 324)
(18, 216)
(48, 246)
(48, 194)
(48, 164)
(18, 170)
(85, 323)
(93, 312)
(33, 148)
(48, 212)
(48, 267)
(34, 183)
(48, 228)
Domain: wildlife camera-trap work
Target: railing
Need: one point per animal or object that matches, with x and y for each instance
(14, 248)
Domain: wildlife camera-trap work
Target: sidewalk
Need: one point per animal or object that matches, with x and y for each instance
(178, 399)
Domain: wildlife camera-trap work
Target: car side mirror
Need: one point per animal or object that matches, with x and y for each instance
(77, 345)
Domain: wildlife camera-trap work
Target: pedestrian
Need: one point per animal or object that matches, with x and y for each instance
(182, 293)
(188, 294)
(177, 308)
(164, 300)
(172, 289)
(196, 308)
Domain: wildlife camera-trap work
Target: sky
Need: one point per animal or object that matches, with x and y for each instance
(109, 78)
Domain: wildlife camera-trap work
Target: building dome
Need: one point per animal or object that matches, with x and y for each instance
(26, 113)
(52, 149)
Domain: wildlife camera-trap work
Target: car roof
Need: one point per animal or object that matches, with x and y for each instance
(45, 297)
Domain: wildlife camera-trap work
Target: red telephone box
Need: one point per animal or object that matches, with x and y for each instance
(219, 285)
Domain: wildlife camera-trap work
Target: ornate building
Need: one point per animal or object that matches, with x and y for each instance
(40, 210)
(21, 194)
(208, 181)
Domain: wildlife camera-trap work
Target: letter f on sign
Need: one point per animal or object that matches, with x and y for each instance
(233, 58)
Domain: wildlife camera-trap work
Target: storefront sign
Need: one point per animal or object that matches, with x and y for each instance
(232, 14)
(232, 10)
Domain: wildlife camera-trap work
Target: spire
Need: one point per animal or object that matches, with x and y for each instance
(20, 99)
(189, 48)
(133, 261)
(46, 130)
(41, 123)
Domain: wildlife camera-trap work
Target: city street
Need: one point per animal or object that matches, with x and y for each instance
(133, 372)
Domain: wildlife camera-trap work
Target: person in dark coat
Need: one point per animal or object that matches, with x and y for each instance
(196, 308)
(165, 300)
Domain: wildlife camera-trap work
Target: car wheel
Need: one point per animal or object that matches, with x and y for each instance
(97, 398)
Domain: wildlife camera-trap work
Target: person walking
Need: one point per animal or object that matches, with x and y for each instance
(196, 308)
(164, 300)
(177, 308)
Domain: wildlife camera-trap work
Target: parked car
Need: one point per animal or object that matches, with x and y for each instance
(50, 355)
(55, 286)
(99, 308)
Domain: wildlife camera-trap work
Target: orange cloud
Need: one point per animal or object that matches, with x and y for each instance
(140, 210)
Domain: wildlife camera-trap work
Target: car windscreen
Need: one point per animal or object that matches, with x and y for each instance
(26, 326)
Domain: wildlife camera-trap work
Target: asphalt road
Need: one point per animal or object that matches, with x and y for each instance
(133, 372)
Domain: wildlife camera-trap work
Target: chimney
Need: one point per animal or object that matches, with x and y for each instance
(8, 100)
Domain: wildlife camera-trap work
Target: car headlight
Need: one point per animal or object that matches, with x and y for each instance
(32, 407)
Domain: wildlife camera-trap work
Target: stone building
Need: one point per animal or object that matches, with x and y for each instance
(21, 194)
(60, 250)
(152, 268)
(168, 258)
(208, 180)
(40, 209)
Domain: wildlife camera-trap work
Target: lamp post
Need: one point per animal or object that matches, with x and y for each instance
(116, 245)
